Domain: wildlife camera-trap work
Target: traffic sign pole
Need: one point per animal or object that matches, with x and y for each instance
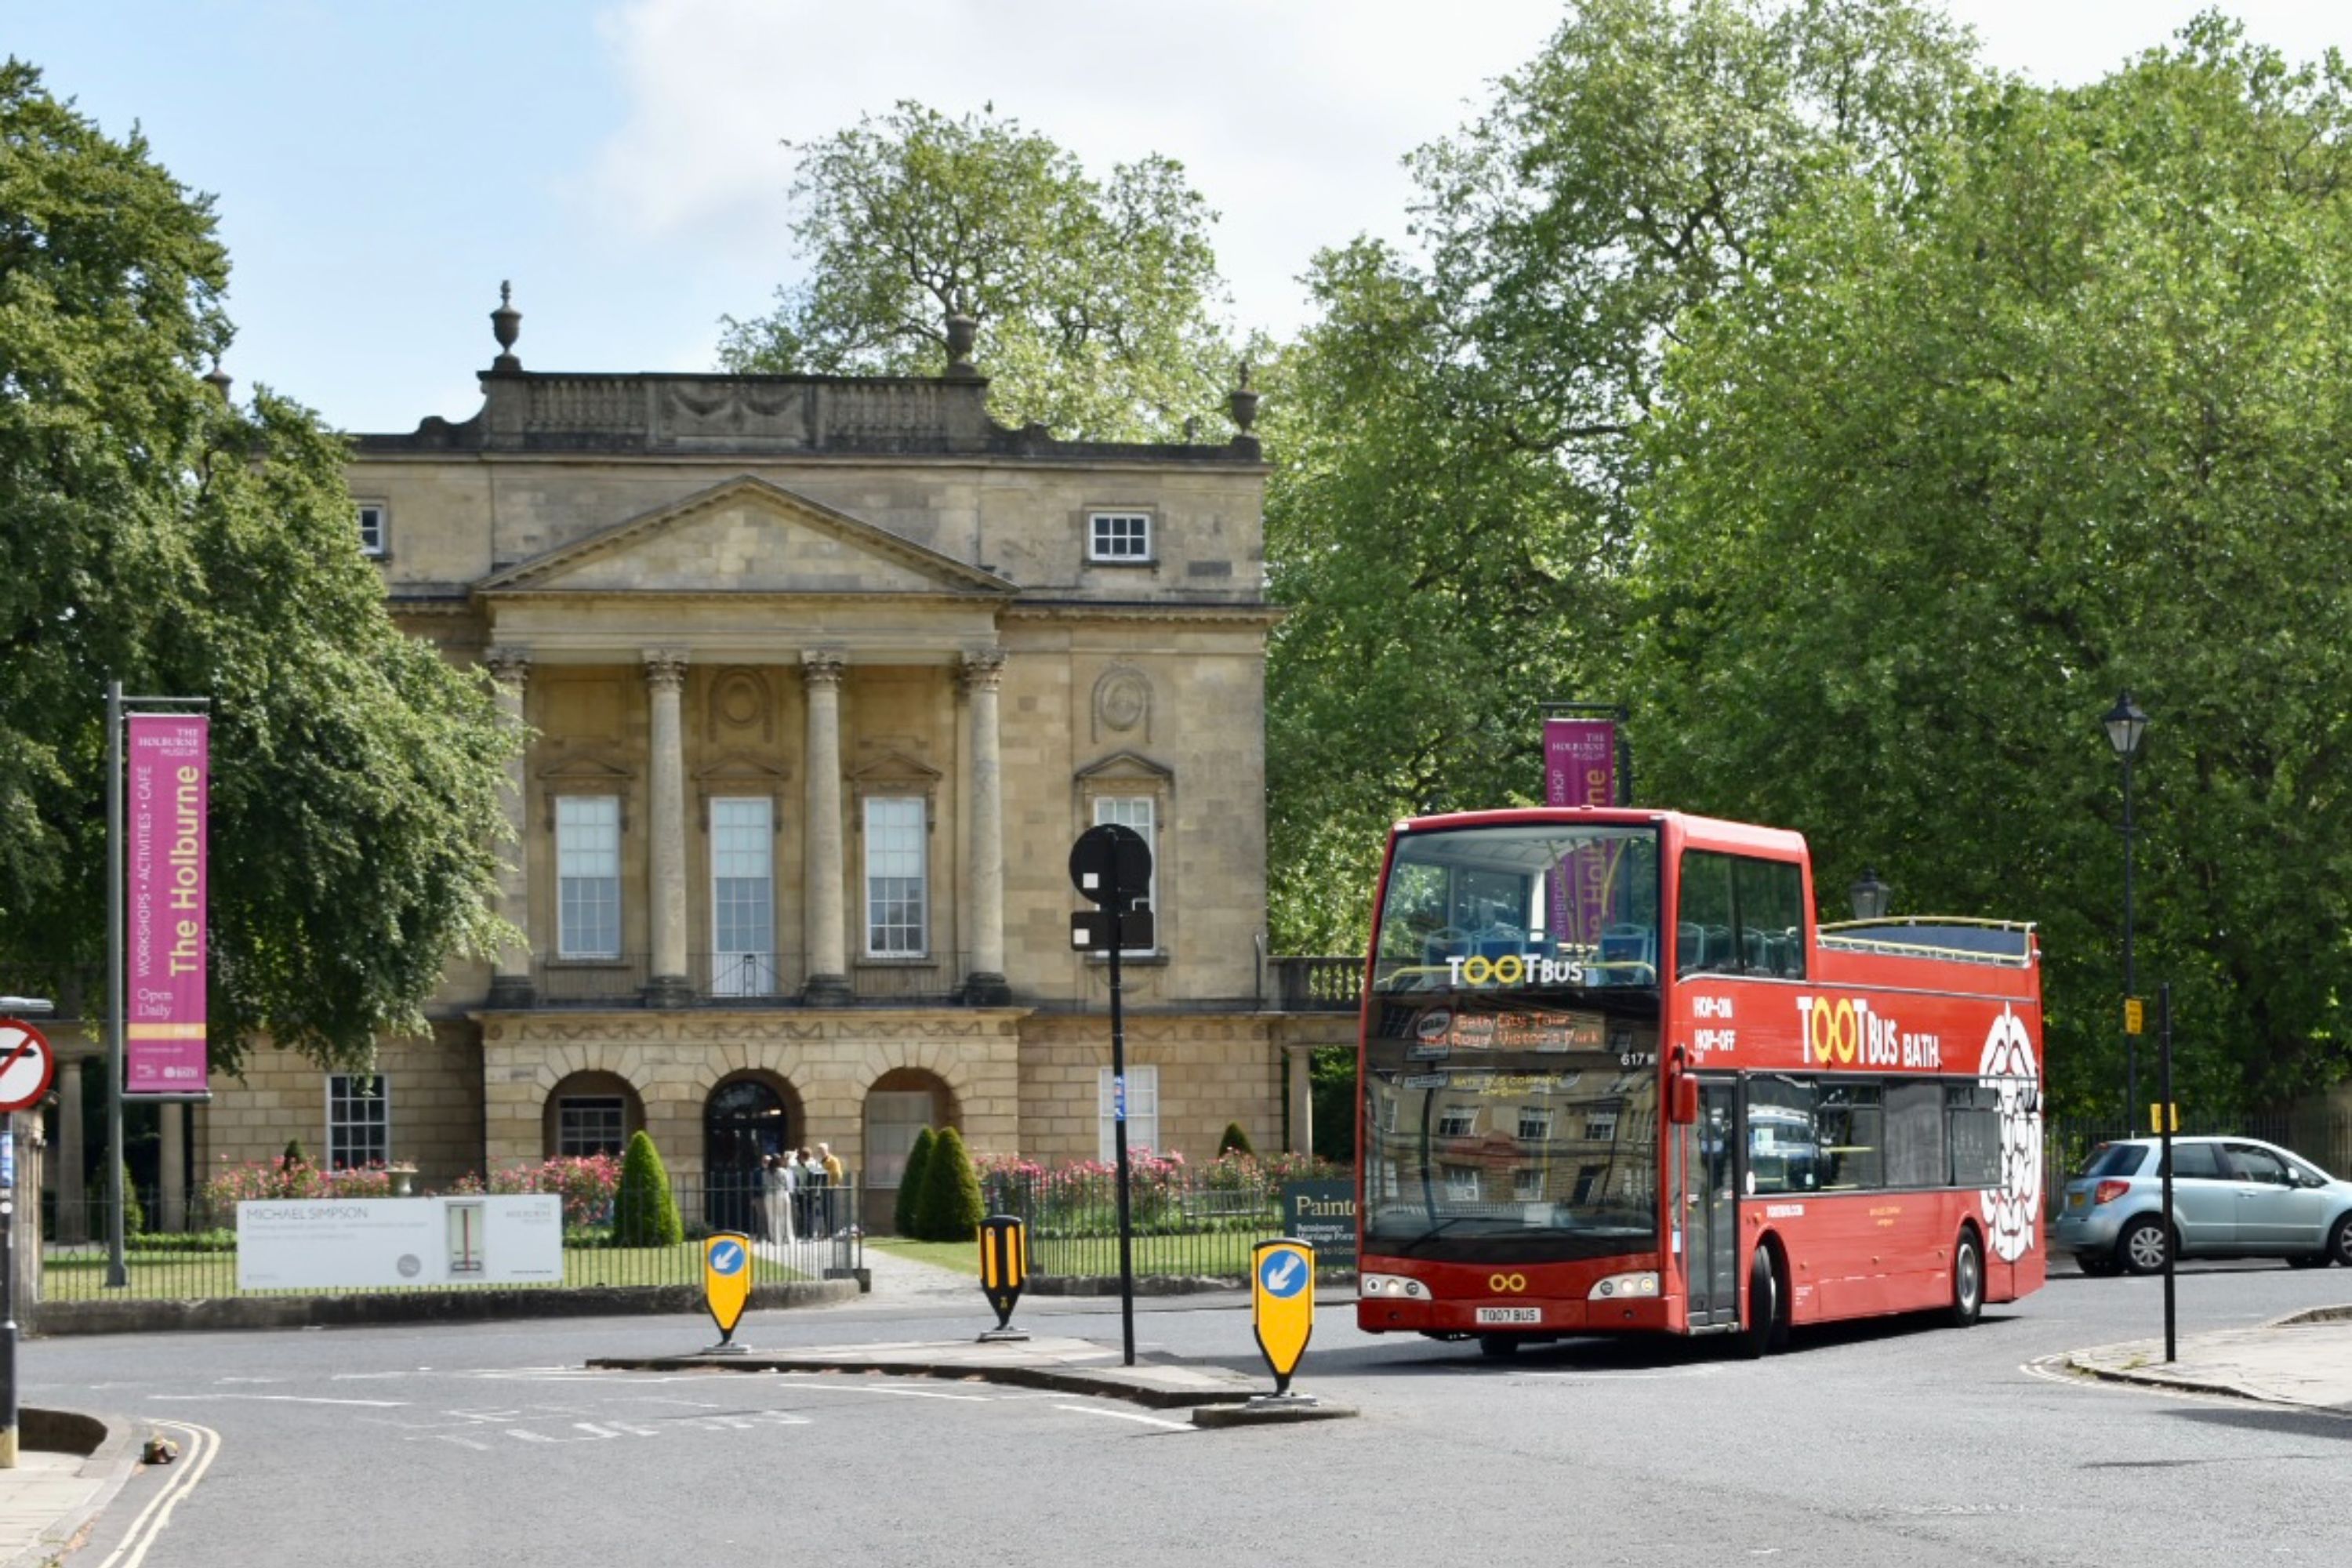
(1118, 1143)
(2171, 1244)
(27, 1066)
(1110, 865)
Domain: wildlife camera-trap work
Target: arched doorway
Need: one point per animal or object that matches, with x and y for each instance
(900, 1104)
(590, 1113)
(745, 1120)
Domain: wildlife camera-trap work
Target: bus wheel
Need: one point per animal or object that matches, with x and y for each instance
(1768, 1315)
(1968, 1280)
(1498, 1347)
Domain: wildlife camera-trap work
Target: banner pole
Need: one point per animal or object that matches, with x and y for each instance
(118, 1276)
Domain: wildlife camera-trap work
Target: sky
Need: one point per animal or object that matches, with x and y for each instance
(378, 168)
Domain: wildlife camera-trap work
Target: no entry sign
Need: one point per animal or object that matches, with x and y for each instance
(27, 1064)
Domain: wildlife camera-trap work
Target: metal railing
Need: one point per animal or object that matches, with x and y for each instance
(605, 1245)
(1184, 1221)
(1325, 984)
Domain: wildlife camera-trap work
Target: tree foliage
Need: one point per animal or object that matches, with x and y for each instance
(645, 1209)
(1096, 298)
(904, 1213)
(152, 533)
(950, 1207)
(1450, 514)
(2064, 411)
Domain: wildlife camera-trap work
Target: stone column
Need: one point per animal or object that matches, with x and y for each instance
(983, 918)
(825, 917)
(1297, 1063)
(665, 682)
(510, 983)
(73, 1193)
(172, 1168)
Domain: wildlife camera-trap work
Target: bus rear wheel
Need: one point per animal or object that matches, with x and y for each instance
(1968, 1280)
(1767, 1328)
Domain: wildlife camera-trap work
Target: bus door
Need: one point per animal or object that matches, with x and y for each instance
(1710, 1152)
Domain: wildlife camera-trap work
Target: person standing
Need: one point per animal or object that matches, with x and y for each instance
(777, 1199)
(833, 1175)
(809, 1176)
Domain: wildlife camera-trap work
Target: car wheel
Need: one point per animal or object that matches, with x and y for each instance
(1498, 1347)
(2143, 1244)
(2098, 1265)
(1766, 1327)
(2339, 1242)
(1968, 1280)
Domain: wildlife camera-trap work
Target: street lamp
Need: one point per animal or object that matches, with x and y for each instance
(1870, 895)
(2125, 724)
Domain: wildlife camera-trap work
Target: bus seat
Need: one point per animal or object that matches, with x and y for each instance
(1690, 944)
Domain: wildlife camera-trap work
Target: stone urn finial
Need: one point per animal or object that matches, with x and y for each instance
(506, 325)
(963, 334)
(220, 379)
(1242, 401)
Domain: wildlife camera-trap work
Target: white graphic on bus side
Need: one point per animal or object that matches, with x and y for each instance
(2009, 1070)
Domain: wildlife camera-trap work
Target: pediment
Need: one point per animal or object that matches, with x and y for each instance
(747, 535)
(585, 772)
(895, 770)
(736, 770)
(1125, 767)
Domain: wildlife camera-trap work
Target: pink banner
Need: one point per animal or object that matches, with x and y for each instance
(164, 851)
(1580, 769)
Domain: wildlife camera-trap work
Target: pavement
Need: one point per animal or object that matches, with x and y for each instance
(2301, 1360)
(52, 1497)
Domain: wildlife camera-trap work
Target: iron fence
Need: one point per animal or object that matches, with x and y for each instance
(2324, 1139)
(607, 1244)
(1185, 1221)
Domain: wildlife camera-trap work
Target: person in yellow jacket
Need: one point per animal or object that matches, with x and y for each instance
(833, 1173)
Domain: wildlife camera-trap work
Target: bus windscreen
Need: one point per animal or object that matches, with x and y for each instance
(1539, 904)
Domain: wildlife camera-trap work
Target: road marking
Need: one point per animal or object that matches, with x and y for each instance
(203, 1443)
(838, 1386)
(1128, 1415)
(2056, 1369)
(283, 1399)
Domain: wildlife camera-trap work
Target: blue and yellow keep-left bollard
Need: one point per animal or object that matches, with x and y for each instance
(725, 1286)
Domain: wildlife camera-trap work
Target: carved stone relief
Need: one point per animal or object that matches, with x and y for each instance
(1123, 704)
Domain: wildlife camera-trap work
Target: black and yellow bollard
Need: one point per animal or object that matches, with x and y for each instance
(1003, 1266)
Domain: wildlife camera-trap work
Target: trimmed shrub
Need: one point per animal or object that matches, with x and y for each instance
(645, 1210)
(949, 1208)
(293, 1155)
(910, 1185)
(134, 1215)
(1235, 1141)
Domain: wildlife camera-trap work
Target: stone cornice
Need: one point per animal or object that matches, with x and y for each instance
(1262, 614)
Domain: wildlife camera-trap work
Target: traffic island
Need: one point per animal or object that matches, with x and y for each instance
(1054, 1363)
(2303, 1359)
(1268, 1411)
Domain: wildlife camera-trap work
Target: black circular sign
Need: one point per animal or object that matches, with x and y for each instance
(1111, 864)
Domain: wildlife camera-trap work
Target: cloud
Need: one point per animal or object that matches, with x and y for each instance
(1290, 119)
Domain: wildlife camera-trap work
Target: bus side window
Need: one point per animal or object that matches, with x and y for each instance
(1703, 944)
(1772, 900)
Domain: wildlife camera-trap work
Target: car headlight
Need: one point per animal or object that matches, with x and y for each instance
(1621, 1285)
(1392, 1285)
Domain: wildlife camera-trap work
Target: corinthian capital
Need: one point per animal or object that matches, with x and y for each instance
(665, 668)
(983, 668)
(509, 665)
(823, 666)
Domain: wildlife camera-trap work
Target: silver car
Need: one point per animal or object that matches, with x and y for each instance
(2231, 1197)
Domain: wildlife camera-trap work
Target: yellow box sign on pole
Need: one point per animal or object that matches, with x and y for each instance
(727, 1285)
(2156, 1117)
(2134, 1016)
(1004, 1267)
(1282, 1304)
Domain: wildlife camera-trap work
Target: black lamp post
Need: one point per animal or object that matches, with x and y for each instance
(1870, 895)
(2125, 724)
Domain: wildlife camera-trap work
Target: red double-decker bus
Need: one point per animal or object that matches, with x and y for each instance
(1615, 1075)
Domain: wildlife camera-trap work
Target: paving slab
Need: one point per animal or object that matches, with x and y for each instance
(1062, 1364)
(2303, 1359)
(48, 1501)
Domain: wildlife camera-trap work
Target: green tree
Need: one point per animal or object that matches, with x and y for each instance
(950, 1209)
(644, 1210)
(1096, 300)
(2061, 412)
(134, 1213)
(151, 531)
(1450, 513)
(904, 1212)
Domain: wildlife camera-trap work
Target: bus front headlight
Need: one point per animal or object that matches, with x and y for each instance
(1619, 1286)
(1392, 1286)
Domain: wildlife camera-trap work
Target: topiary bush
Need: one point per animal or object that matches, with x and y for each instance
(134, 1214)
(293, 1155)
(910, 1183)
(645, 1211)
(951, 1209)
(1235, 1141)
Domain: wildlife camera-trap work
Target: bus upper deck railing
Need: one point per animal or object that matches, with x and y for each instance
(1955, 939)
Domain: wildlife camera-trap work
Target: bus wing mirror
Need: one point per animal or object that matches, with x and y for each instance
(1682, 1096)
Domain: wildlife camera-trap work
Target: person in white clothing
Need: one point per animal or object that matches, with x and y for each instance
(778, 1183)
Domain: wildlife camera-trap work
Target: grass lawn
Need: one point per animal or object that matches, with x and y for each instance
(201, 1276)
(1205, 1252)
(963, 1257)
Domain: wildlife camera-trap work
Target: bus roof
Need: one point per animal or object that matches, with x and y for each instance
(1701, 832)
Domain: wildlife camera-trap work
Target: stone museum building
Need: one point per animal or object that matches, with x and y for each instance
(821, 677)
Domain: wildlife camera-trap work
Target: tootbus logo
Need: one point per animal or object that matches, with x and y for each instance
(1846, 1030)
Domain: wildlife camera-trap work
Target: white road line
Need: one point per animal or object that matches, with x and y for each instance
(839, 1387)
(203, 1443)
(281, 1399)
(1128, 1415)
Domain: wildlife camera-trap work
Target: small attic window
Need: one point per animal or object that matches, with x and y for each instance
(373, 528)
(1123, 537)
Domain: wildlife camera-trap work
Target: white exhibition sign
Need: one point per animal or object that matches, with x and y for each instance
(321, 1244)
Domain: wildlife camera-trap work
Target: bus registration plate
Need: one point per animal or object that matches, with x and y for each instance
(1510, 1314)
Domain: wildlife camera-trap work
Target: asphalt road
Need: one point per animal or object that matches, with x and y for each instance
(1895, 1443)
